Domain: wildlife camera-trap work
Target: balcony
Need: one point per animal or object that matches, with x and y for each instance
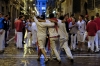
(15, 1)
(90, 4)
(97, 3)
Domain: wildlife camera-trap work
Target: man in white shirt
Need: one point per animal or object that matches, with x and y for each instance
(64, 35)
(34, 33)
(81, 32)
(29, 32)
(73, 31)
(54, 36)
(41, 34)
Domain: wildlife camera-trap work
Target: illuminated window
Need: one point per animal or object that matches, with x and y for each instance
(43, 8)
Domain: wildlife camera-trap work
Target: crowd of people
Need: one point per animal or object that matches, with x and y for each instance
(4, 31)
(53, 33)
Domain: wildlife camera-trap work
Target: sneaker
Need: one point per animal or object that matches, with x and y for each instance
(78, 49)
(55, 59)
(6, 45)
(97, 51)
(72, 60)
(81, 49)
(59, 61)
(23, 42)
(46, 61)
(89, 49)
(73, 50)
(2, 51)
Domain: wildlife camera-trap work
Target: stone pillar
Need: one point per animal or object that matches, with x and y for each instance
(11, 13)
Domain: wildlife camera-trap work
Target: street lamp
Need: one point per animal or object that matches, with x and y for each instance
(31, 0)
(29, 7)
(33, 4)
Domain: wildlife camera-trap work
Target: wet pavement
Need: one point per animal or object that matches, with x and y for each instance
(28, 57)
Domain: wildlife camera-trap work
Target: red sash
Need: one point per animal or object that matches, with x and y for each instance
(56, 27)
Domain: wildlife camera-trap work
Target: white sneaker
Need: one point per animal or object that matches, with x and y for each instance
(97, 50)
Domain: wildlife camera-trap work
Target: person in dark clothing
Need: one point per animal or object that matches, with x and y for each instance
(86, 19)
(67, 28)
(46, 39)
(66, 23)
(6, 28)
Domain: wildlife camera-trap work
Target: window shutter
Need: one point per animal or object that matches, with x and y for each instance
(91, 4)
(97, 3)
(76, 6)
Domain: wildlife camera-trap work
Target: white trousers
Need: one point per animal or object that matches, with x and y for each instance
(67, 49)
(7, 34)
(53, 47)
(73, 41)
(41, 41)
(19, 40)
(29, 39)
(97, 40)
(80, 36)
(34, 37)
(2, 37)
(91, 42)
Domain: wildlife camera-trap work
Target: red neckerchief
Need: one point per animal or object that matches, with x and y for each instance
(56, 26)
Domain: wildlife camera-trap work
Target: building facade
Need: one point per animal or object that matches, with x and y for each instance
(14, 8)
(93, 7)
(76, 7)
(41, 6)
(53, 7)
(11, 8)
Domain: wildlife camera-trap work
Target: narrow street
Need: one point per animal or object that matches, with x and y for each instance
(14, 57)
(72, 20)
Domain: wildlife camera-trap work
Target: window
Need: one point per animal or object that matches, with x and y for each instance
(2, 9)
(43, 8)
(76, 6)
(91, 4)
(97, 3)
(43, 3)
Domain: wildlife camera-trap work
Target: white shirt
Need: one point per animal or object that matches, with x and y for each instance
(34, 27)
(62, 30)
(28, 27)
(74, 29)
(41, 27)
(52, 30)
(81, 26)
